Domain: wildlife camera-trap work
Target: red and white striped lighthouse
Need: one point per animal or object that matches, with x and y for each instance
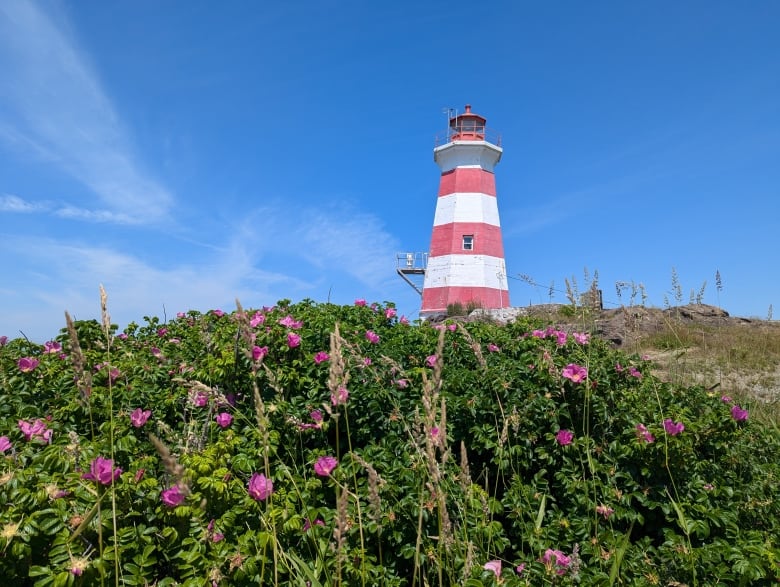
(466, 257)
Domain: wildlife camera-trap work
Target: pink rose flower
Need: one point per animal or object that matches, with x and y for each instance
(260, 487)
(575, 373)
(493, 567)
(673, 428)
(51, 347)
(325, 465)
(103, 471)
(27, 364)
(172, 497)
(564, 437)
(258, 352)
(139, 417)
(223, 419)
(739, 414)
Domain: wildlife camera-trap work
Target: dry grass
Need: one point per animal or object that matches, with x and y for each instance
(739, 358)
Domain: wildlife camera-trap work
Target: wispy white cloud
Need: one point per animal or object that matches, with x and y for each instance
(15, 204)
(94, 215)
(52, 276)
(272, 253)
(335, 240)
(53, 106)
(11, 203)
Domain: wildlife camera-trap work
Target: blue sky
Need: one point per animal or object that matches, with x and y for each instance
(185, 154)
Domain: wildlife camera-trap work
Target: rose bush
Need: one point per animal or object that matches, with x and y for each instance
(342, 445)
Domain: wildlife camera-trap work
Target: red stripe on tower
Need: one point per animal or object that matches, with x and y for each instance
(466, 258)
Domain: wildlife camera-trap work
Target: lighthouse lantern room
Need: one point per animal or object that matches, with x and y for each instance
(465, 264)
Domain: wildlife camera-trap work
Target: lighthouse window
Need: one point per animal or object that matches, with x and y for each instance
(468, 242)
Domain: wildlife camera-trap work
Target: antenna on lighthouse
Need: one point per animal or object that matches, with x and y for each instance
(451, 113)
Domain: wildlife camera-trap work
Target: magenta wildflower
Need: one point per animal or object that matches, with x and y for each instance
(223, 419)
(307, 524)
(162, 332)
(260, 487)
(325, 465)
(27, 364)
(739, 414)
(360, 302)
(257, 320)
(402, 383)
(372, 337)
(139, 474)
(293, 340)
(290, 322)
(520, 568)
(390, 313)
(556, 560)
(643, 435)
(103, 471)
(673, 428)
(5, 444)
(258, 352)
(564, 437)
(172, 497)
(201, 399)
(321, 357)
(538, 334)
(3, 340)
(494, 567)
(37, 429)
(122, 336)
(493, 348)
(581, 337)
(634, 372)
(316, 416)
(218, 313)
(340, 396)
(575, 373)
(51, 347)
(618, 367)
(139, 417)
(561, 337)
(725, 399)
(430, 360)
(404, 320)
(157, 352)
(708, 487)
(604, 510)
(217, 537)
(181, 315)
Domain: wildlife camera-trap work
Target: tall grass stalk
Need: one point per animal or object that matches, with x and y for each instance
(106, 324)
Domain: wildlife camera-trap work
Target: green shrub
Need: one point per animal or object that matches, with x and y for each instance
(323, 444)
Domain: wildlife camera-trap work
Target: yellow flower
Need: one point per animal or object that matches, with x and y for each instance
(10, 530)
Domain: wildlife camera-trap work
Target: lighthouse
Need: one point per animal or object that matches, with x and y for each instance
(465, 262)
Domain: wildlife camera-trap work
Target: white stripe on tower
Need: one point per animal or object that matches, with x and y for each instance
(466, 258)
